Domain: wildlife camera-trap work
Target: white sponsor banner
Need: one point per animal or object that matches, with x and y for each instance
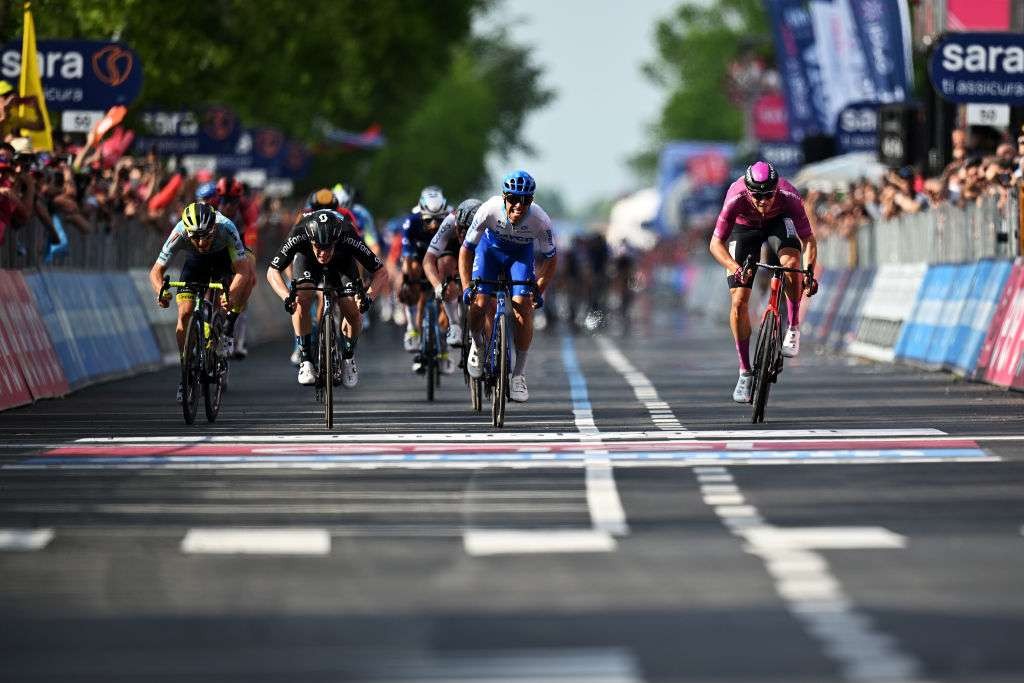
(988, 115)
(79, 121)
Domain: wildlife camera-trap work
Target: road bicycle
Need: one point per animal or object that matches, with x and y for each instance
(327, 359)
(203, 362)
(768, 359)
(497, 359)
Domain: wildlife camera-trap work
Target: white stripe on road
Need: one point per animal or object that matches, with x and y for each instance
(643, 389)
(25, 539)
(584, 422)
(812, 593)
(481, 542)
(257, 541)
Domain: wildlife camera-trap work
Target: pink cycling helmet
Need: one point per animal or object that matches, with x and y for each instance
(761, 178)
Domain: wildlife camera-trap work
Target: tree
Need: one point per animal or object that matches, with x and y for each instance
(694, 50)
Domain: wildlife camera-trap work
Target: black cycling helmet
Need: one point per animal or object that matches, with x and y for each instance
(199, 220)
(325, 227)
(761, 178)
(466, 211)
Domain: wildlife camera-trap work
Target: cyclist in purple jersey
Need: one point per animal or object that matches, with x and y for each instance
(759, 206)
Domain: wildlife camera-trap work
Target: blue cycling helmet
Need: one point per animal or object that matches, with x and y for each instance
(519, 183)
(206, 190)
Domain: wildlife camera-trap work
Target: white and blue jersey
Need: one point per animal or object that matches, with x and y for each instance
(503, 247)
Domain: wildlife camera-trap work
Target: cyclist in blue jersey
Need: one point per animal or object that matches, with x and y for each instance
(501, 240)
(418, 230)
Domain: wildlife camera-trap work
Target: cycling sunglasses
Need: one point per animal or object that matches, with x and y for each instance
(763, 195)
(427, 218)
(514, 199)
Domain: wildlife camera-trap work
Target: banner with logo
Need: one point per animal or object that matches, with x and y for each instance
(692, 177)
(979, 67)
(80, 74)
(798, 64)
(770, 120)
(857, 128)
(844, 71)
(883, 31)
(215, 130)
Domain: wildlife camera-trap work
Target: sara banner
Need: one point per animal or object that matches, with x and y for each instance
(80, 74)
(857, 128)
(979, 67)
(797, 57)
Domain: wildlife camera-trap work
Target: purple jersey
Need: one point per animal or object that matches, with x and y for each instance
(738, 208)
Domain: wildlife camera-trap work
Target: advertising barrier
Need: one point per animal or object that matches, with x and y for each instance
(14, 391)
(162, 321)
(828, 308)
(993, 336)
(924, 322)
(1006, 335)
(969, 334)
(847, 314)
(28, 340)
(887, 305)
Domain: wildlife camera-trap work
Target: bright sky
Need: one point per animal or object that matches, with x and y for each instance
(591, 53)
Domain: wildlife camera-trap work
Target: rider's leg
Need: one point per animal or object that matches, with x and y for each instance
(790, 258)
(351, 323)
(186, 304)
(448, 266)
(739, 323)
(302, 323)
(522, 310)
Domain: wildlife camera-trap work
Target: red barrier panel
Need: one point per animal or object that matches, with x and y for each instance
(1008, 329)
(994, 337)
(13, 389)
(28, 340)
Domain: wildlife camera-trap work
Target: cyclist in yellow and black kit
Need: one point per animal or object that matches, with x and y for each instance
(213, 253)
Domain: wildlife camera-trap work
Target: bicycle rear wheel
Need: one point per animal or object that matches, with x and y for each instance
(326, 371)
(498, 397)
(764, 357)
(216, 367)
(429, 350)
(476, 394)
(191, 370)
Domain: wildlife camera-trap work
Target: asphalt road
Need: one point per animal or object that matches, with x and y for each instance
(628, 525)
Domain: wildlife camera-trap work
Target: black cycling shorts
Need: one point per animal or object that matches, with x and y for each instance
(341, 271)
(210, 267)
(746, 241)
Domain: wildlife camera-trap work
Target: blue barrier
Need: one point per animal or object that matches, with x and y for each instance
(980, 306)
(132, 322)
(847, 315)
(916, 336)
(61, 332)
(816, 307)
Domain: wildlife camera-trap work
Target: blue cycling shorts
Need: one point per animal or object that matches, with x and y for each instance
(493, 258)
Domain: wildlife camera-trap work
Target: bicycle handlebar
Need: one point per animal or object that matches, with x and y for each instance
(194, 287)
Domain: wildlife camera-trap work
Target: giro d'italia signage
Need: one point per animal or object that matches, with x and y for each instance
(979, 67)
(80, 74)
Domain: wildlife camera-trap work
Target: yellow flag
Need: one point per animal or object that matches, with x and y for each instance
(31, 85)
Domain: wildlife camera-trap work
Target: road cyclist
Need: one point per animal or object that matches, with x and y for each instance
(500, 243)
(213, 253)
(327, 249)
(758, 207)
(418, 230)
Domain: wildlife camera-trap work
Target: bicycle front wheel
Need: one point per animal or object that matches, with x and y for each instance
(766, 351)
(326, 374)
(216, 368)
(500, 393)
(191, 368)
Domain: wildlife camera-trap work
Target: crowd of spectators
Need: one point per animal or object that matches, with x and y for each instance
(970, 178)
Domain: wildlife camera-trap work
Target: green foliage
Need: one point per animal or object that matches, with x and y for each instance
(443, 98)
(695, 47)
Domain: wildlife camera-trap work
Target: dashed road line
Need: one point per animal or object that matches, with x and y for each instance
(660, 411)
(256, 541)
(813, 595)
(25, 539)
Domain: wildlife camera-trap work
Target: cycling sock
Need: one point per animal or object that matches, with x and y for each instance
(348, 347)
(452, 309)
(229, 328)
(520, 367)
(743, 350)
(478, 339)
(410, 318)
(794, 311)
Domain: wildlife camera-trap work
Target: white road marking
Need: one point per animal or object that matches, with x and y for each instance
(481, 542)
(25, 539)
(813, 594)
(257, 541)
(660, 411)
(584, 422)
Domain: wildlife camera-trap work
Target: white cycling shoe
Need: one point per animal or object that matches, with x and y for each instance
(412, 341)
(296, 356)
(306, 375)
(517, 389)
(791, 344)
(349, 373)
(226, 346)
(473, 365)
(454, 337)
(446, 364)
(744, 387)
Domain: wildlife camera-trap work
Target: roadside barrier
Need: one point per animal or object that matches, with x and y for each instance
(847, 309)
(888, 303)
(162, 321)
(1001, 353)
(29, 367)
(990, 279)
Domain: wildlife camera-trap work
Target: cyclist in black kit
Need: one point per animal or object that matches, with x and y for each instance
(326, 246)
